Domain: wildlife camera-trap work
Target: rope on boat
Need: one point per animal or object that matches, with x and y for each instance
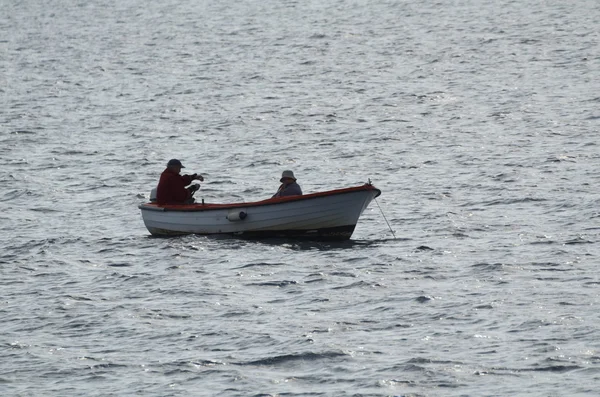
(386, 221)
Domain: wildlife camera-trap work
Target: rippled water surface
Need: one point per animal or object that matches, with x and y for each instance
(479, 121)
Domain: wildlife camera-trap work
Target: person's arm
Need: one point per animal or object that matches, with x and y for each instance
(279, 191)
(178, 190)
(190, 178)
(291, 190)
(187, 179)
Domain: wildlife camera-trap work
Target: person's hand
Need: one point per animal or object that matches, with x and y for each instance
(193, 188)
(199, 177)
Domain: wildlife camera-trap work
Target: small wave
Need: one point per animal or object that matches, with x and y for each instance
(78, 298)
(421, 360)
(423, 299)
(120, 265)
(20, 132)
(13, 194)
(488, 266)
(514, 201)
(200, 363)
(359, 284)
(551, 368)
(544, 264)
(259, 264)
(294, 357)
(344, 274)
(424, 248)
(107, 366)
(44, 210)
(542, 242)
(578, 240)
(283, 283)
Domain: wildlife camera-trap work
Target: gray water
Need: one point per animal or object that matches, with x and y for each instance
(478, 120)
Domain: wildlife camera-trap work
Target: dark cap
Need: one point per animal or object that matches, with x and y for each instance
(175, 162)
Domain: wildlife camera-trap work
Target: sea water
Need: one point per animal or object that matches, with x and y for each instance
(478, 120)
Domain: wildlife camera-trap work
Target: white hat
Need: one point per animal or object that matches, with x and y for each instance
(287, 174)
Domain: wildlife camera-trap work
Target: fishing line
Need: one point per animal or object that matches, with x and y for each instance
(386, 221)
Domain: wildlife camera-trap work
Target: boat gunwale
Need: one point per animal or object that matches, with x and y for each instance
(198, 207)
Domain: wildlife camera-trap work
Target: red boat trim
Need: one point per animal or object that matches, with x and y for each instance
(278, 200)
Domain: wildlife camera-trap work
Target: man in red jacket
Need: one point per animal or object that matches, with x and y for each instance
(171, 187)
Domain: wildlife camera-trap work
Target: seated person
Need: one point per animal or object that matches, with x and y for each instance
(288, 187)
(171, 187)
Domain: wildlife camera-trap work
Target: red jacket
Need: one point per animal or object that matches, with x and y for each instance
(171, 188)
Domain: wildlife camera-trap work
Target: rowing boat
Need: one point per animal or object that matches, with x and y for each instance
(328, 215)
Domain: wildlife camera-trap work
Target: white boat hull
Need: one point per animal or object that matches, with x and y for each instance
(324, 216)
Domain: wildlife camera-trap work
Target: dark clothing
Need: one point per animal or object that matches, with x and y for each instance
(171, 188)
(291, 189)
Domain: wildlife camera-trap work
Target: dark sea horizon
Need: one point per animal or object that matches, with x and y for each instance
(478, 120)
